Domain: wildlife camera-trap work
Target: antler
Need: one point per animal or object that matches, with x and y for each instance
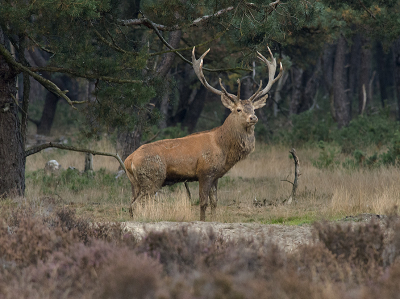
(198, 69)
(271, 73)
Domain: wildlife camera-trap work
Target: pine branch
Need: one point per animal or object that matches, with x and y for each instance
(87, 76)
(36, 149)
(186, 60)
(367, 10)
(50, 86)
(146, 22)
(40, 46)
(112, 45)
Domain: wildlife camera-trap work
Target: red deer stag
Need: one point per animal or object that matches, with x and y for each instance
(205, 156)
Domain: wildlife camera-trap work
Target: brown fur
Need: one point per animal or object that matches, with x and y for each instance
(203, 157)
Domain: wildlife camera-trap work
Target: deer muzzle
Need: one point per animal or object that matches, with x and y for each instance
(252, 120)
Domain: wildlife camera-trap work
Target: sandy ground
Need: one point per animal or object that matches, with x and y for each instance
(285, 236)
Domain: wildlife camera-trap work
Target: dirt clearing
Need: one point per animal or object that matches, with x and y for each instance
(285, 236)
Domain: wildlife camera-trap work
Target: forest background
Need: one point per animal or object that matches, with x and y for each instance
(119, 72)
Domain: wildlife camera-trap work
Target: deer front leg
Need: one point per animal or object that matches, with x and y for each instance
(213, 198)
(204, 191)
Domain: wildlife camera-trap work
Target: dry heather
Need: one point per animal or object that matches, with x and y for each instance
(253, 191)
(72, 258)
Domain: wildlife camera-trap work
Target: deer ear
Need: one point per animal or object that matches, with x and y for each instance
(261, 102)
(227, 102)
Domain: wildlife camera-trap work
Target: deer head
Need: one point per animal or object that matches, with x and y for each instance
(241, 108)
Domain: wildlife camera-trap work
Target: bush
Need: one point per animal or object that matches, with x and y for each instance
(308, 128)
(363, 131)
(327, 158)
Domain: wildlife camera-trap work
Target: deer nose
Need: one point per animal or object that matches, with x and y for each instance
(253, 119)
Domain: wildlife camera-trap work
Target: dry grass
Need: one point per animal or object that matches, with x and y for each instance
(322, 194)
(165, 207)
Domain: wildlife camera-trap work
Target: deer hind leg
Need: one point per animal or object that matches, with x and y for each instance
(148, 179)
(135, 194)
(204, 191)
(213, 199)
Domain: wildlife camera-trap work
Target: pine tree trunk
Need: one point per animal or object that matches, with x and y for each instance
(311, 87)
(354, 71)
(297, 89)
(128, 142)
(12, 156)
(396, 54)
(341, 103)
(382, 73)
(48, 114)
(195, 109)
(327, 66)
(45, 123)
(246, 88)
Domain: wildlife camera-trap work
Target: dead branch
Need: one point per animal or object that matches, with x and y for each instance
(364, 99)
(36, 149)
(296, 177)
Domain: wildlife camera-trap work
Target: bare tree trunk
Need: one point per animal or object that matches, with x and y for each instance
(12, 158)
(49, 111)
(355, 58)
(277, 94)
(327, 66)
(354, 71)
(90, 107)
(50, 105)
(297, 89)
(311, 88)
(246, 90)
(195, 109)
(128, 142)
(163, 70)
(382, 73)
(396, 54)
(365, 69)
(341, 103)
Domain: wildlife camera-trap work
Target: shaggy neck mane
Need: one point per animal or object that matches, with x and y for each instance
(235, 140)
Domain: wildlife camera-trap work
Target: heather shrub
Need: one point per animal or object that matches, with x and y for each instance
(64, 256)
(180, 250)
(130, 275)
(361, 246)
(67, 220)
(28, 240)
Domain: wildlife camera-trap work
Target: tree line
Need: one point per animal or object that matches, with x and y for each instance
(126, 64)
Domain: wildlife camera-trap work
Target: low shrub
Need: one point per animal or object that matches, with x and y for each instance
(51, 258)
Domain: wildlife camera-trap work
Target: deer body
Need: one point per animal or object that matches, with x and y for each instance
(203, 157)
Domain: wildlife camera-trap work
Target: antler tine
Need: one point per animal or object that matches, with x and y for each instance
(198, 69)
(229, 95)
(254, 96)
(271, 71)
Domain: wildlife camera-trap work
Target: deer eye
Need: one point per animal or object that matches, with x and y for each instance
(239, 110)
